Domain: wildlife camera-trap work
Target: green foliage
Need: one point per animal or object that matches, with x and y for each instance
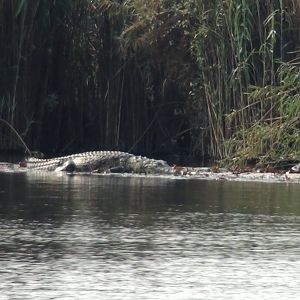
(244, 82)
(273, 134)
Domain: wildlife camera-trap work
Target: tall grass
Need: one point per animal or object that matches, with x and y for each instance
(78, 80)
(241, 49)
(156, 76)
(274, 136)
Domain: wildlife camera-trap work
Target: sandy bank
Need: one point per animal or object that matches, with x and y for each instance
(206, 173)
(190, 173)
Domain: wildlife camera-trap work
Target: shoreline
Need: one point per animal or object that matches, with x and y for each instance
(198, 173)
(286, 177)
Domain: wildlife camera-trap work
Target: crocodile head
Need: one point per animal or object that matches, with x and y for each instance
(295, 169)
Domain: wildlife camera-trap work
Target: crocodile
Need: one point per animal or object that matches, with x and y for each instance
(123, 162)
(101, 162)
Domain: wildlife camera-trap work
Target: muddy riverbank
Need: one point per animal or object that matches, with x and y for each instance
(201, 173)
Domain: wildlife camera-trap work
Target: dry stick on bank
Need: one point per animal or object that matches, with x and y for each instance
(17, 134)
(143, 134)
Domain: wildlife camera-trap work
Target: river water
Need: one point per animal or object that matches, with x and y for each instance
(116, 237)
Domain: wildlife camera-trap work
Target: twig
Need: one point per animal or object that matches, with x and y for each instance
(16, 133)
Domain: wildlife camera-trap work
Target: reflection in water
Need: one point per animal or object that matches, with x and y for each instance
(106, 237)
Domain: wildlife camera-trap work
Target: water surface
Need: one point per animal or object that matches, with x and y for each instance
(114, 237)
